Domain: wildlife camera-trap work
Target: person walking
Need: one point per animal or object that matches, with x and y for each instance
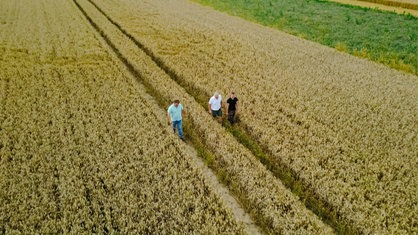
(215, 106)
(174, 115)
(232, 107)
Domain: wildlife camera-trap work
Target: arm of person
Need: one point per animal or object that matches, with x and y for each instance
(226, 107)
(209, 108)
(168, 117)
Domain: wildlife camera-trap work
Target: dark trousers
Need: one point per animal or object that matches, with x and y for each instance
(231, 116)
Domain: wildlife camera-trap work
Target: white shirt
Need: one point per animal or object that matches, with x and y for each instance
(215, 104)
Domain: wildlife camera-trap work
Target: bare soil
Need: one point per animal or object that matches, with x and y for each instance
(398, 10)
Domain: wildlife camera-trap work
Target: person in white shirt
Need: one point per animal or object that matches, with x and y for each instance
(215, 106)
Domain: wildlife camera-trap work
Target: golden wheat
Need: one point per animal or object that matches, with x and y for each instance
(347, 126)
(264, 195)
(82, 149)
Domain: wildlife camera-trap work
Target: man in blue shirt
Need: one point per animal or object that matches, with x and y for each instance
(174, 115)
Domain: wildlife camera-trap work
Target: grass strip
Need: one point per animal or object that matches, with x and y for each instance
(384, 37)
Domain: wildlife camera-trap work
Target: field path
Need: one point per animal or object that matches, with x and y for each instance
(370, 4)
(230, 202)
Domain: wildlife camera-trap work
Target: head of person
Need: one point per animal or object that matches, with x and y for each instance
(176, 102)
(216, 95)
(232, 95)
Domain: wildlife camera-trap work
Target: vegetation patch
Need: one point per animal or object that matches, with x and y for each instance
(384, 37)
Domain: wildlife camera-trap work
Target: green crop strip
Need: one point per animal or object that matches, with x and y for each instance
(383, 37)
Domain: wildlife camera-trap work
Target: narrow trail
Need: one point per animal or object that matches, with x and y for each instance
(229, 201)
(223, 192)
(370, 4)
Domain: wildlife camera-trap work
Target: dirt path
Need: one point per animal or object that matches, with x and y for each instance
(398, 10)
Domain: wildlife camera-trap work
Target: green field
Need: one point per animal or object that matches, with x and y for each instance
(384, 37)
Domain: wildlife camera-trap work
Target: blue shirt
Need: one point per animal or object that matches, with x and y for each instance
(175, 112)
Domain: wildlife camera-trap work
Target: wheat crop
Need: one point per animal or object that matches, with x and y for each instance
(268, 200)
(82, 148)
(346, 126)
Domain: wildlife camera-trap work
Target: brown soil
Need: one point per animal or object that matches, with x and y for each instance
(369, 4)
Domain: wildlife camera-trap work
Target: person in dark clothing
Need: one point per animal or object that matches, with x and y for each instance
(232, 107)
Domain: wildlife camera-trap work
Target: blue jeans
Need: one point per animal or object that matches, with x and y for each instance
(178, 124)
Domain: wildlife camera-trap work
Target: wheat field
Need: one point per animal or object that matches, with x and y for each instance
(85, 148)
(347, 126)
(274, 206)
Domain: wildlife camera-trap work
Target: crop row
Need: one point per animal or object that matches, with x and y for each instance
(273, 206)
(346, 126)
(82, 148)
